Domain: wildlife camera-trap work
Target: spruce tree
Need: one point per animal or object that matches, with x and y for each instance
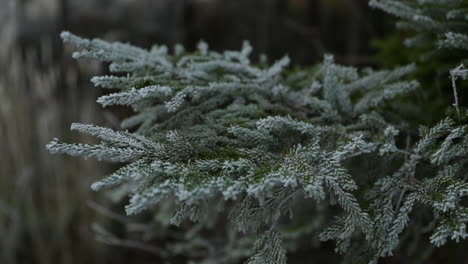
(280, 153)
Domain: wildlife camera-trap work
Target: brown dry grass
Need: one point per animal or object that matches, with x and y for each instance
(43, 213)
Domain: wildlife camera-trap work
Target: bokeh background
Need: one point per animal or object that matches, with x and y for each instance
(48, 214)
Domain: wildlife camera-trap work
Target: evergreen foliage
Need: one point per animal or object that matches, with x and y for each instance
(434, 34)
(214, 135)
(437, 24)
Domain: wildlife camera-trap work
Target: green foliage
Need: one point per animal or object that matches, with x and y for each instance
(437, 24)
(432, 34)
(216, 136)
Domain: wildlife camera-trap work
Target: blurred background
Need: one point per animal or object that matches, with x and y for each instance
(48, 214)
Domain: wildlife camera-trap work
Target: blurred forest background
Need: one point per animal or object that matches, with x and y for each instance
(48, 213)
